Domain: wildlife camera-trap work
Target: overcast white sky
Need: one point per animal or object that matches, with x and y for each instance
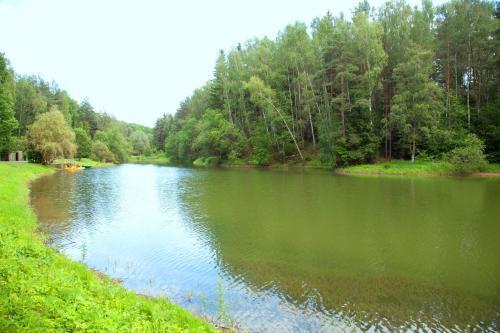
(138, 59)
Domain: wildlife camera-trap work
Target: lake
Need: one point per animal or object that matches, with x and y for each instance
(288, 251)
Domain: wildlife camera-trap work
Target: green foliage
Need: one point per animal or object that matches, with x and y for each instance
(140, 143)
(217, 136)
(262, 145)
(157, 158)
(327, 148)
(116, 143)
(51, 137)
(8, 122)
(416, 105)
(101, 152)
(391, 82)
(399, 81)
(488, 129)
(469, 157)
(30, 97)
(83, 142)
(441, 141)
(207, 162)
(179, 144)
(161, 130)
(42, 291)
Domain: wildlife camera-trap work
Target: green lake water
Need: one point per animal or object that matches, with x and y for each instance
(288, 251)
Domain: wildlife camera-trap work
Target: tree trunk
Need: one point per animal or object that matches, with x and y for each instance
(348, 96)
(312, 128)
(413, 147)
(370, 109)
(448, 79)
(230, 114)
(477, 86)
(342, 116)
(288, 128)
(291, 102)
(302, 131)
(456, 76)
(387, 148)
(468, 84)
(317, 107)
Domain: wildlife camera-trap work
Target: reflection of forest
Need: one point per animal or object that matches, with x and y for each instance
(65, 199)
(386, 263)
(52, 200)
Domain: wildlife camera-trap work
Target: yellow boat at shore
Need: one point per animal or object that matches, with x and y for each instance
(73, 167)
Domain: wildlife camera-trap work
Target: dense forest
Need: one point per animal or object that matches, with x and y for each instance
(390, 83)
(41, 119)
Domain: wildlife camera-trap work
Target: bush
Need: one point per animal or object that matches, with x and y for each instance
(101, 152)
(469, 157)
(210, 161)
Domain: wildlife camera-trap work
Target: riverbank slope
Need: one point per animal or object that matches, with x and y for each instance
(425, 168)
(42, 291)
(394, 167)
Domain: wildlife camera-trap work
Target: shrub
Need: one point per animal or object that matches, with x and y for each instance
(469, 157)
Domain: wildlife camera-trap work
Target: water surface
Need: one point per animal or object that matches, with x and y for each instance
(275, 251)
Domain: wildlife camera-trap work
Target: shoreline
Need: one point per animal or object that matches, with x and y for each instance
(346, 170)
(341, 171)
(67, 295)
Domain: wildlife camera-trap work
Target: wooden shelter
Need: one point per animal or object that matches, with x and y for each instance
(16, 156)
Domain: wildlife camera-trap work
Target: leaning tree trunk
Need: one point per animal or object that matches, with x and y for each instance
(288, 128)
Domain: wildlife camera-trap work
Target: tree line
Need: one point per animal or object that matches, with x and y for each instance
(393, 82)
(43, 120)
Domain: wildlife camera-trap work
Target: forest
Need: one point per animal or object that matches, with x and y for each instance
(41, 119)
(385, 83)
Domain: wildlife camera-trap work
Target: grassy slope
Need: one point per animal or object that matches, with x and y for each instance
(42, 291)
(407, 168)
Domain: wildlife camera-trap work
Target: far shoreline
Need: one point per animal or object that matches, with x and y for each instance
(383, 168)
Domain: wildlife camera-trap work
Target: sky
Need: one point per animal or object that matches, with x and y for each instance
(138, 59)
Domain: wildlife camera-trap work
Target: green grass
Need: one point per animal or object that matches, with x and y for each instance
(402, 168)
(85, 161)
(154, 159)
(493, 168)
(42, 291)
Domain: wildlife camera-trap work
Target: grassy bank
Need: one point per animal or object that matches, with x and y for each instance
(394, 167)
(42, 291)
(85, 161)
(154, 159)
(493, 168)
(399, 167)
